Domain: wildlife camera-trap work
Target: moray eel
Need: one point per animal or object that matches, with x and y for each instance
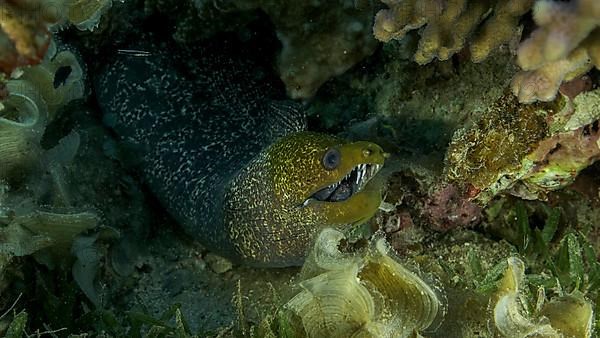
(226, 153)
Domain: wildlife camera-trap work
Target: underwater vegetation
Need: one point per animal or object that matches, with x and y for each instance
(37, 216)
(32, 103)
(462, 287)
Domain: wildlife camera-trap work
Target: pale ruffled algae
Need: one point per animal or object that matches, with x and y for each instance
(565, 316)
(363, 294)
(32, 103)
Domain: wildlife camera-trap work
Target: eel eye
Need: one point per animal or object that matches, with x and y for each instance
(331, 159)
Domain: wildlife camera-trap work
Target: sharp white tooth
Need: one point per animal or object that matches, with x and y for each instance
(359, 177)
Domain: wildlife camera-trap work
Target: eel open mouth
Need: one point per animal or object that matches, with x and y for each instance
(351, 184)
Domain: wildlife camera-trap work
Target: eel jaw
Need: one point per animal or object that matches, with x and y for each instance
(351, 184)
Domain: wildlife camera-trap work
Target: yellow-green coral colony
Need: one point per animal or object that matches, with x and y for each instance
(526, 150)
(230, 162)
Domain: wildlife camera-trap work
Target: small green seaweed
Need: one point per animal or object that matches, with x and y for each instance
(535, 243)
(560, 265)
(474, 263)
(568, 265)
(490, 281)
(16, 329)
(159, 327)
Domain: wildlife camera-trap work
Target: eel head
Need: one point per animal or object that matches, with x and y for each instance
(329, 178)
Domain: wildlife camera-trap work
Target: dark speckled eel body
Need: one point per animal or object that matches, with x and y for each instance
(225, 153)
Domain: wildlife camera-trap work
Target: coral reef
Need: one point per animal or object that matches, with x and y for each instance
(446, 209)
(525, 150)
(529, 267)
(337, 37)
(564, 46)
(448, 25)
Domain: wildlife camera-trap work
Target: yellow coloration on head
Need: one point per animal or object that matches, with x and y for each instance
(298, 172)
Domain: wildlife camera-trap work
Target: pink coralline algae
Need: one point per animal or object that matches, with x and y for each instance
(448, 208)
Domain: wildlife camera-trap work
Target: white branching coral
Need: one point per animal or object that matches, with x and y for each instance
(447, 26)
(564, 46)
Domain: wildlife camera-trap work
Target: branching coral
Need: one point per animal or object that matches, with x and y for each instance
(447, 25)
(565, 45)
